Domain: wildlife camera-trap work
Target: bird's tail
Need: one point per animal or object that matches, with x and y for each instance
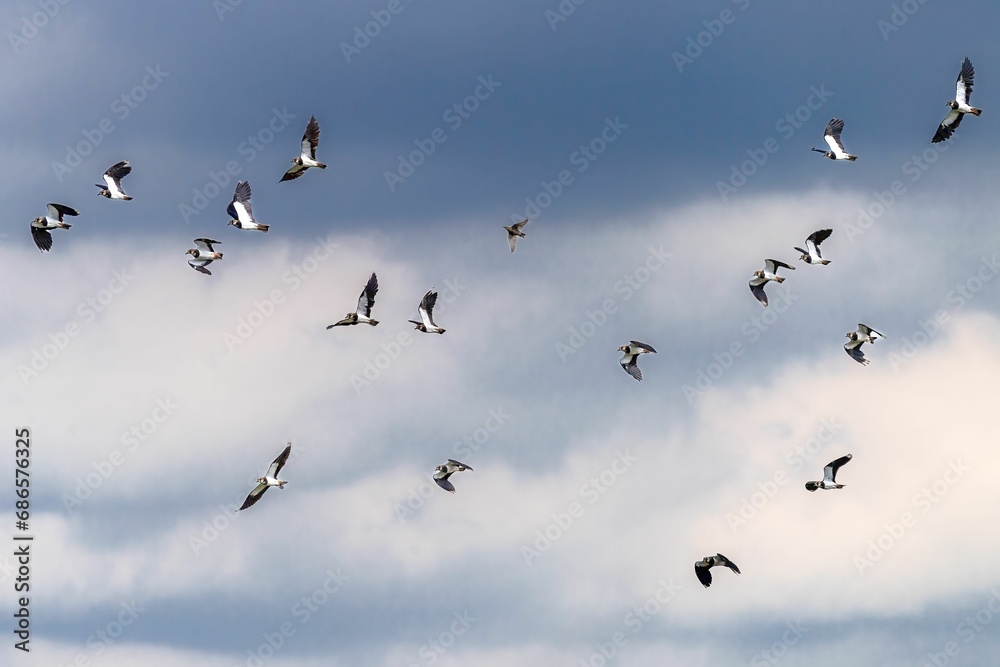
(976, 111)
(127, 198)
(264, 228)
(220, 255)
(64, 225)
(321, 165)
(374, 323)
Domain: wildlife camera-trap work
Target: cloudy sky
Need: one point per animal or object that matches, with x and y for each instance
(661, 153)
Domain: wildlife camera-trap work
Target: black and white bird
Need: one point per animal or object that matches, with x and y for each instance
(855, 339)
(426, 310)
(308, 156)
(514, 231)
(363, 315)
(269, 479)
(444, 471)
(960, 105)
(203, 255)
(811, 253)
(829, 480)
(629, 360)
(702, 568)
(762, 276)
(52, 220)
(240, 210)
(112, 188)
(832, 137)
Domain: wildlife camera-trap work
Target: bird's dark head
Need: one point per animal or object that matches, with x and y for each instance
(193, 252)
(104, 193)
(261, 480)
(953, 104)
(811, 486)
(623, 349)
(297, 161)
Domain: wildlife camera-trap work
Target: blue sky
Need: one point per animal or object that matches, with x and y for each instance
(657, 178)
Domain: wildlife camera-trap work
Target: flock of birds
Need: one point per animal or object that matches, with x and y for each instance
(241, 214)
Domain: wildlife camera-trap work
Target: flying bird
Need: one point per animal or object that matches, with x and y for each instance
(762, 276)
(112, 188)
(855, 339)
(203, 255)
(811, 253)
(308, 157)
(363, 315)
(241, 211)
(702, 568)
(52, 220)
(426, 310)
(832, 137)
(631, 356)
(269, 479)
(514, 231)
(444, 471)
(829, 480)
(960, 105)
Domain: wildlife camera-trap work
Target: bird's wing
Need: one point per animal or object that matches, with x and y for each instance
(118, 171)
(963, 88)
(293, 172)
(948, 126)
(512, 240)
(367, 298)
(830, 471)
(426, 308)
(819, 236)
(279, 462)
(42, 238)
(200, 264)
(772, 265)
(520, 225)
(445, 483)
(832, 136)
(853, 349)
(205, 244)
(630, 363)
(728, 563)
(57, 211)
(240, 208)
(648, 348)
(459, 465)
(758, 291)
(254, 496)
(310, 139)
(704, 574)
